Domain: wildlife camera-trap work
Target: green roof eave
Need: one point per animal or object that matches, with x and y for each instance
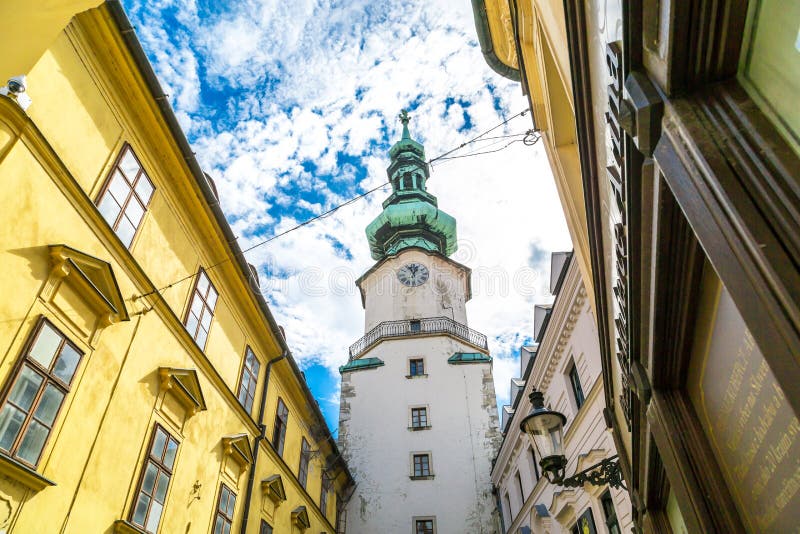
(487, 47)
(469, 357)
(361, 365)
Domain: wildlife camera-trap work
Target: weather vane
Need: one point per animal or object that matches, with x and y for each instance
(404, 118)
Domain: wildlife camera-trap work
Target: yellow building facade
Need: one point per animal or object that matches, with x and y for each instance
(145, 384)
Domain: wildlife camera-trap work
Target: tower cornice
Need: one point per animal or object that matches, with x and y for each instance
(463, 268)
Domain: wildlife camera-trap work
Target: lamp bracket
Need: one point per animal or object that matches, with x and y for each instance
(604, 472)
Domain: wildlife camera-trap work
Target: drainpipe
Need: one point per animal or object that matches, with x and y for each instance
(261, 437)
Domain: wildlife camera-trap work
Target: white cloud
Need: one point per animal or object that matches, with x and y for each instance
(299, 82)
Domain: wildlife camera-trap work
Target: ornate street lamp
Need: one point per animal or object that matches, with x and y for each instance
(546, 429)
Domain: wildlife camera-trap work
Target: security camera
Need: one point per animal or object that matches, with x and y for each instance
(16, 84)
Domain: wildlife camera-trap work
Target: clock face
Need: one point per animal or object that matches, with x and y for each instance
(413, 274)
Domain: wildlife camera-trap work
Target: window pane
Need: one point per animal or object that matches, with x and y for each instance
(161, 487)
(141, 509)
(191, 324)
(66, 364)
(109, 209)
(201, 337)
(205, 322)
(134, 212)
(144, 189)
(149, 480)
(129, 165)
(154, 517)
(223, 499)
(25, 388)
(211, 300)
(119, 188)
(218, 525)
(226, 528)
(46, 345)
(231, 504)
(49, 404)
(202, 283)
(169, 456)
(11, 421)
(157, 450)
(125, 231)
(33, 442)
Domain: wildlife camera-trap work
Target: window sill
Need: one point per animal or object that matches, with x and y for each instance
(23, 474)
(424, 375)
(426, 477)
(126, 527)
(417, 428)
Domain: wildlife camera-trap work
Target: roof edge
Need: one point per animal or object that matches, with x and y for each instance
(487, 46)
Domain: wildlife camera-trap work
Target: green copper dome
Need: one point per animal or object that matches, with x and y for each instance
(410, 216)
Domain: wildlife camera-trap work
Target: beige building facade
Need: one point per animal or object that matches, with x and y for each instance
(565, 365)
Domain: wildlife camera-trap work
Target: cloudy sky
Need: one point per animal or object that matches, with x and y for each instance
(292, 107)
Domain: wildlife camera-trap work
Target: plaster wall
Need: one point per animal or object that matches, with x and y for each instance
(443, 295)
(375, 436)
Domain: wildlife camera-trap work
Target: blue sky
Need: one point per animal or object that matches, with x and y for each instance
(291, 107)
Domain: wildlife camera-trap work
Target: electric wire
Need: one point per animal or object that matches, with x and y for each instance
(441, 157)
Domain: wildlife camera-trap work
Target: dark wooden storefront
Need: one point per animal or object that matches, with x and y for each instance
(705, 192)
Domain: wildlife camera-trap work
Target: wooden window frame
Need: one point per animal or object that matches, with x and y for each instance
(415, 365)
(302, 468)
(247, 396)
(264, 528)
(535, 465)
(518, 478)
(325, 489)
(279, 430)
(225, 515)
(160, 467)
(133, 195)
(195, 294)
(48, 378)
(419, 520)
(611, 520)
(575, 385)
(422, 465)
(422, 414)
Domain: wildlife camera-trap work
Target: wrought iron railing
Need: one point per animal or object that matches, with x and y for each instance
(412, 327)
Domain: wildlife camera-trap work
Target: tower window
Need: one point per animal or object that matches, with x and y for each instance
(416, 367)
(422, 465)
(425, 526)
(419, 418)
(415, 326)
(575, 382)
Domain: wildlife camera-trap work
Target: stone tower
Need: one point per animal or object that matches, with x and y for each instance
(418, 421)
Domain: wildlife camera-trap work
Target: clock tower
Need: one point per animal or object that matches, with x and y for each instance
(418, 418)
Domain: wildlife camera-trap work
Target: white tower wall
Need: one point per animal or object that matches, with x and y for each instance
(375, 413)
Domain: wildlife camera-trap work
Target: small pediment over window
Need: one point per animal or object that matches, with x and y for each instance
(300, 518)
(92, 278)
(184, 385)
(272, 487)
(237, 447)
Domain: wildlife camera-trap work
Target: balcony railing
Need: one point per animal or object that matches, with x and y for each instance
(412, 327)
